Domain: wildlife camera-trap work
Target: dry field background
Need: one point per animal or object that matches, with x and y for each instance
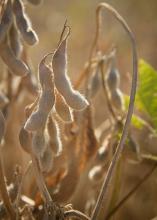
(77, 174)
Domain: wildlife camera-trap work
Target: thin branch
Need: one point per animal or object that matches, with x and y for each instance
(103, 192)
(75, 214)
(131, 192)
(21, 184)
(4, 193)
(40, 181)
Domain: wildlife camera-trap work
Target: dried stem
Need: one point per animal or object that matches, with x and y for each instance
(131, 192)
(40, 181)
(21, 184)
(103, 192)
(4, 193)
(75, 214)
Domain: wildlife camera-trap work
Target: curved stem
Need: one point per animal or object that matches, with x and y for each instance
(97, 33)
(75, 214)
(103, 192)
(131, 192)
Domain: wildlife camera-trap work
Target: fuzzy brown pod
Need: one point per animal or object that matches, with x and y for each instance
(23, 23)
(55, 142)
(46, 101)
(38, 143)
(46, 160)
(2, 126)
(15, 65)
(29, 82)
(95, 83)
(117, 100)
(62, 109)
(6, 21)
(15, 42)
(45, 75)
(35, 2)
(36, 121)
(103, 152)
(29, 108)
(62, 82)
(3, 100)
(96, 173)
(25, 140)
(113, 78)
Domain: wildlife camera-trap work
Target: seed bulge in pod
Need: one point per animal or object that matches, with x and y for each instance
(113, 78)
(94, 84)
(46, 101)
(36, 121)
(62, 82)
(25, 140)
(117, 100)
(38, 143)
(96, 173)
(47, 160)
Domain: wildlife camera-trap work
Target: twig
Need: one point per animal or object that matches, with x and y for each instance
(21, 184)
(40, 181)
(110, 172)
(75, 214)
(4, 193)
(131, 192)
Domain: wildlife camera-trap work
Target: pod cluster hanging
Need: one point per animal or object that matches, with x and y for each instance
(41, 135)
(15, 25)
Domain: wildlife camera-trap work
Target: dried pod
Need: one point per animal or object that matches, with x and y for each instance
(45, 75)
(112, 78)
(25, 140)
(2, 126)
(47, 160)
(23, 23)
(117, 100)
(3, 100)
(15, 65)
(38, 143)
(95, 83)
(132, 149)
(62, 82)
(29, 108)
(29, 82)
(35, 2)
(15, 42)
(103, 152)
(6, 21)
(63, 110)
(54, 136)
(46, 101)
(96, 173)
(36, 121)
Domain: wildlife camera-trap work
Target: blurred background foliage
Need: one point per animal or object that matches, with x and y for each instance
(48, 20)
